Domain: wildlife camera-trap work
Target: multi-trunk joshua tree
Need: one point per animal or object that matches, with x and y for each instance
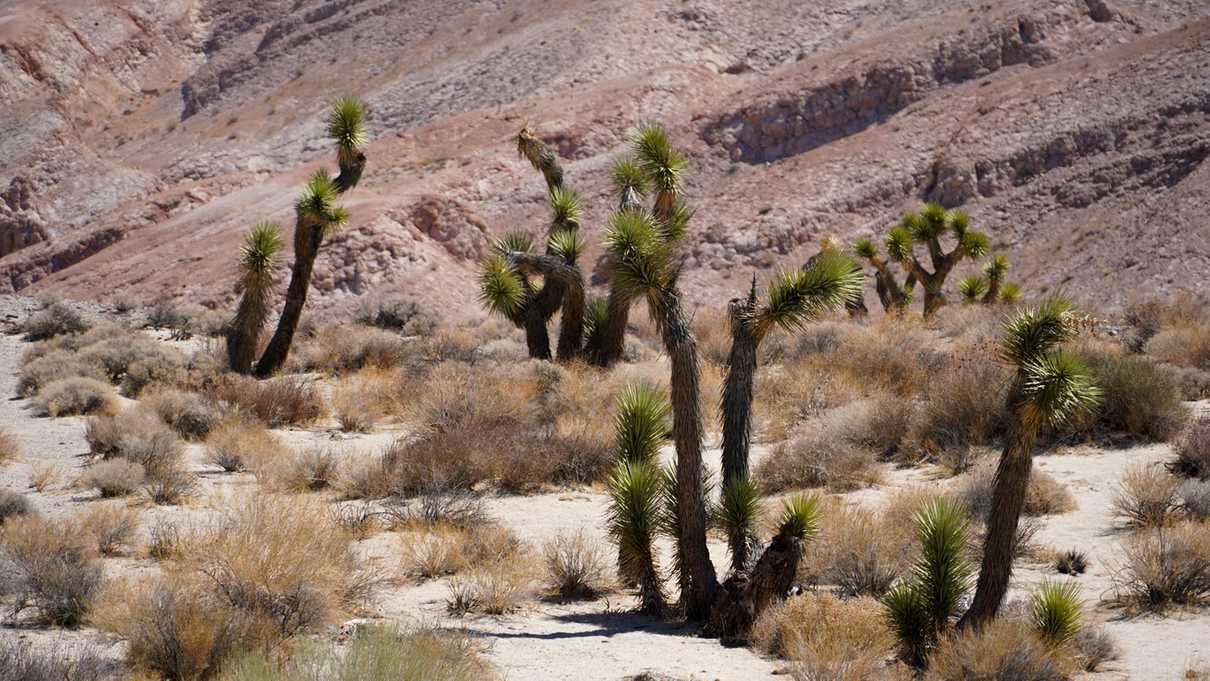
(1049, 385)
(990, 288)
(258, 264)
(316, 216)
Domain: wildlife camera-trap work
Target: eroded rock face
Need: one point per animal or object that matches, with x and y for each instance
(20, 223)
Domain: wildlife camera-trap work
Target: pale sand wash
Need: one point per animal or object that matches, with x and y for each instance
(604, 640)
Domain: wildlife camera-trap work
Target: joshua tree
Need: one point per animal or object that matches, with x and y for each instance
(258, 263)
(928, 227)
(990, 288)
(922, 606)
(830, 244)
(792, 300)
(994, 270)
(895, 297)
(1049, 386)
(316, 216)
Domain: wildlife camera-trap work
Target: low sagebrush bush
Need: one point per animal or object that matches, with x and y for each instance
(239, 444)
(310, 470)
(859, 551)
(1166, 566)
(136, 436)
(436, 550)
(362, 476)
(964, 408)
(576, 566)
(56, 319)
(10, 446)
(827, 638)
(437, 506)
(113, 478)
(495, 589)
(56, 365)
(75, 396)
(358, 402)
(13, 504)
(165, 539)
(112, 526)
(1193, 450)
(1195, 499)
(1043, 496)
(1071, 562)
(20, 661)
(1147, 496)
(170, 485)
(191, 415)
(818, 460)
(1140, 399)
(337, 349)
(401, 314)
(1186, 345)
(1004, 649)
(1094, 647)
(49, 566)
(283, 401)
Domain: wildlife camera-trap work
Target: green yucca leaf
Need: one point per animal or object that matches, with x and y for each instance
(1030, 334)
(633, 517)
(639, 260)
(318, 199)
(974, 244)
(996, 267)
(346, 123)
(513, 242)
(959, 222)
(865, 248)
(908, 612)
(641, 423)
(1055, 611)
(567, 244)
(338, 217)
(794, 298)
(800, 516)
(500, 288)
(258, 257)
(930, 223)
(972, 288)
(565, 207)
(899, 244)
(943, 575)
(629, 181)
(739, 508)
(1056, 386)
(1010, 292)
(661, 163)
(675, 225)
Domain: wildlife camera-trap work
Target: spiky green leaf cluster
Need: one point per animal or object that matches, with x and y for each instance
(996, 267)
(596, 319)
(629, 180)
(795, 298)
(1055, 611)
(865, 248)
(513, 242)
(258, 256)
(899, 244)
(641, 423)
(661, 163)
(1030, 334)
(972, 288)
(800, 516)
(565, 207)
(1010, 292)
(639, 259)
(567, 244)
(318, 202)
(908, 613)
(1056, 386)
(973, 244)
(739, 508)
(500, 288)
(635, 491)
(346, 123)
(930, 223)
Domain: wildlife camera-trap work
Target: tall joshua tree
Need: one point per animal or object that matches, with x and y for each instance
(316, 216)
(929, 227)
(1049, 386)
(792, 300)
(895, 297)
(258, 263)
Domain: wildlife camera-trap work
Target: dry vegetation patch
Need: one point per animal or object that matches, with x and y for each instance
(10, 446)
(240, 443)
(49, 566)
(277, 402)
(1166, 566)
(1003, 649)
(827, 638)
(1147, 496)
(76, 396)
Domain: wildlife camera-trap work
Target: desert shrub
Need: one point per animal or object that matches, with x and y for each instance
(283, 401)
(238, 444)
(859, 551)
(1186, 345)
(13, 504)
(359, 401)
(1195, 499)
(154, 363)
(1071, 562)
(373, 653)
(1196, 671)
(576, 566)
(55, 319)
(398, 313)
(45, 475)
(20, 661)
(55, 366)
(827, 638)
(495, 589)
(362, 475)
(10, 446)
(964, 408)
(344, 348)
(309, 470)
(1002, 649)
(112, 526)
(1193, 450)
(818, 460)
(165, 314)
(1094, 647)
(1166, 566)
(191, 415)
(113, 478)
(879, 424)
(170, 485)
(1055, 612)
(454, 507)
(1147, 496)
(50, 566)
(75, 396)
(359, 521)
(431, 551)
(1043, 496)
(1140, 399)
(136, 436)
(165, 539)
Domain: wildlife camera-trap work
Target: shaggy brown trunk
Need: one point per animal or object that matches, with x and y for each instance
(307, 238)
(537, 338)
(1008, 499)
(614, 340)
(736, 405)
(993, 291)
(568, 278)
(934, 298)
(698, 575)
(243, 334)
(745, 595)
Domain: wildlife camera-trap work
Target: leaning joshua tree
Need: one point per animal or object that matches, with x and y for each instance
(258, 263)
(792, 299)
(1049, 386)
(317, 216)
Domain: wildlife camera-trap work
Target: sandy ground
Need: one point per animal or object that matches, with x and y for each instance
(604, 640)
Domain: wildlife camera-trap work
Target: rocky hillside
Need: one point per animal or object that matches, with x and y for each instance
(140, 137)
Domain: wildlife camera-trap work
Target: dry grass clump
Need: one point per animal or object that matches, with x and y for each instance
(278, 402)
(1193, 450)
(576, 566)
(964, 408)
(398, 313)
(112, 526)
(309, 470)
(827, 638)
(1195, 499)
(166, 539)
(1043, 496)
(495, 589)
(13, 504)
(137, 436)
(191, 415)
(1166, 566)
(374, 653)
(113, 478)
(1184, 344)
(1094, 647)
(76, 396)
(55, 319)
(1140, 399)
(45, 475)
(20, 661)
(818, 460)
(861, 552)
(106, 353)
(362, 475)
(56, 365)
(1147, 496)
(348, 347)
(10, 446)
(49, 566)
(431, 551)
(359, 401)
(239, 444)
(1071, 562)
(170, 486)
(1005, 649)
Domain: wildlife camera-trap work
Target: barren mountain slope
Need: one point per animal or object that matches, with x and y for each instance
(141, 137)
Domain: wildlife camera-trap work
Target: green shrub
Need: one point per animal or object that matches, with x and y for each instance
(1140, 399)
(1055, 611)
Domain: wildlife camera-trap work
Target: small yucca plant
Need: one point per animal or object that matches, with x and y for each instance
(1055, 611)
(737, 513)
(641, 423)
(800, 517)
(972, 289)
(633, 518)
(257, 266)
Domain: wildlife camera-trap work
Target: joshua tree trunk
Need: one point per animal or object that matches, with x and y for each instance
(537, 338)
(567, 277)
(308, 237)
(890, 293)
(614, 341)
(243, 337)
(745, 595)
(737, 393)
(698, 572)
(1008, 500)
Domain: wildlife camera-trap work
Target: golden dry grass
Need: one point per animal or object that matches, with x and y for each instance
(845, 640)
